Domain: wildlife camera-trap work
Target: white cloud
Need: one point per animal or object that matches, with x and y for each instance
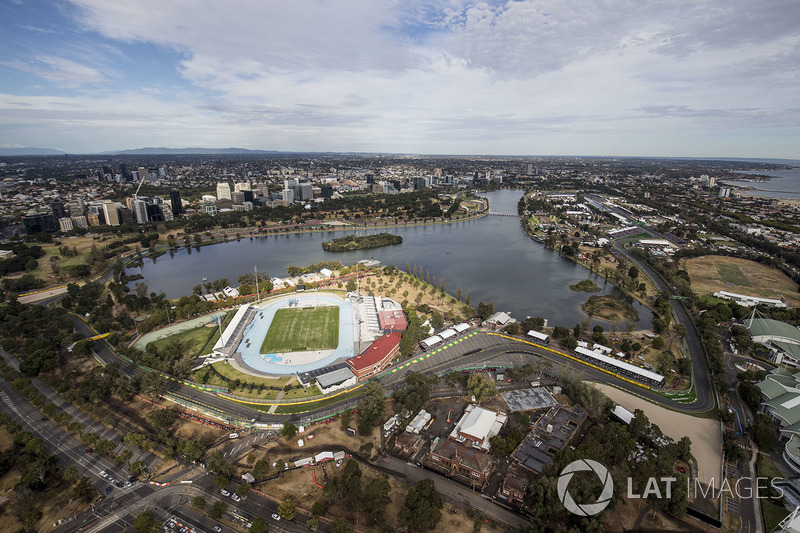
(565, 76)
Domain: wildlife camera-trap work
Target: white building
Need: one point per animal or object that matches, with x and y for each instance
(223, 191)
(478, 426)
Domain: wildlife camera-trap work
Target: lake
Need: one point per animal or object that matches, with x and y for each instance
(491, 258)
(784, 184)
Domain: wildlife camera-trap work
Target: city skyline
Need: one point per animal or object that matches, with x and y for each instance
(677, 79)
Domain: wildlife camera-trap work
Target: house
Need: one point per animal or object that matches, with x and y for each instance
(459, 460)
(512, 489)
(498, 320)
(407, 444)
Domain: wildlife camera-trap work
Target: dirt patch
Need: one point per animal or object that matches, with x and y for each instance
(403, 287)
(704, 433)
(610, 308)
(712, 273)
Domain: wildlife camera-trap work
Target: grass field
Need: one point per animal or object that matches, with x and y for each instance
(712, 273)
(733, 275)
(199, 340)
(303, 329)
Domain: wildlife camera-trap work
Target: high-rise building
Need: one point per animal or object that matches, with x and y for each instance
(58, 209)
(237, 197)
(139, 208)
(306, 191)
(79, 221)
(242, 186)
(76, 208)
(166, 212)
(65, 224)
(39, 221)
(288, 196)
(175, 200)
(223, 191)
(327, 191)
(111, 213)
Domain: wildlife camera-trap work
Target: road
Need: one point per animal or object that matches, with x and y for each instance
(702, 380)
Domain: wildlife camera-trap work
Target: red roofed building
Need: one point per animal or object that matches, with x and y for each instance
(377, 357)
(394, 320)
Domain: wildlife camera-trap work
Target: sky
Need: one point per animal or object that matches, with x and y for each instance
(668, 78)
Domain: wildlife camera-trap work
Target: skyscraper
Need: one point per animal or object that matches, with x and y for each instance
(111, 213)
(139, 207)
(175, 200)
(223, 191)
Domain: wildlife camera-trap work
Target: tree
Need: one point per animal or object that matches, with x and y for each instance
(370, 408)
(289, 430)
(633, 272)
(485, 310)
(512, 329)
(259, 525)
(84, 490)
(340, 526)
(422, 508)
(217, 510)
(199, 502)
(374, 499)
(525, 420)
(312, 523)
(351, 285)
(162, 418)
(658, 343)
(287, 509)
(70, 473)
(260, 469)
(145, 523)
(480, 387)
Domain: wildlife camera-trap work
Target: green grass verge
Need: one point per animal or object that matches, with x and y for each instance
(773, 514)
(303, 329)
(732, 274)
(293, 409)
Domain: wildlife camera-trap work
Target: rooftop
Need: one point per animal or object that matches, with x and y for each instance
(376, 352)
(766, 327)
(478, 425)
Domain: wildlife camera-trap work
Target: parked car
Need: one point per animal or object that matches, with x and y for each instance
(276, 516)
(88, 450)
(338, 463)
(103, 473)
(236, 497)
(108, 490)
(217, 529)
(224, 492)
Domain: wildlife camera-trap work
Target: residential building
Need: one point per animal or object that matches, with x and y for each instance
(477, 426)
(111, 213)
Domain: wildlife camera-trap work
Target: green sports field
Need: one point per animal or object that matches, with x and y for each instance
(303, 329)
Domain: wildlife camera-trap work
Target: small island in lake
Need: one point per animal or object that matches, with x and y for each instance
(351, 242)
(610, 308)
(586, 285)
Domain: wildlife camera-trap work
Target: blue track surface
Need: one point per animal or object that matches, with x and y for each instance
(257, 330)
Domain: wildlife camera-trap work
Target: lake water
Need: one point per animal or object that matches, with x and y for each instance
(491, 258)
(784, 184)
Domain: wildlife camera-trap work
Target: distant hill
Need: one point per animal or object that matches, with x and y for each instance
(29, 151)
(189, 151)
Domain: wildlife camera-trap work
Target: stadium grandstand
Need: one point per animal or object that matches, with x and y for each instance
(621, 368)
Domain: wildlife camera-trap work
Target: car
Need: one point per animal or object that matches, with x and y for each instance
(119, 484)
(682, 470)
(224, 492)
(44, 419)
(108, 490)
(111, 479)
(103, 473)
(236, 497)
(338, 463)
(88, 450)
(276, 516)
(217, 529)
(128, 484)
